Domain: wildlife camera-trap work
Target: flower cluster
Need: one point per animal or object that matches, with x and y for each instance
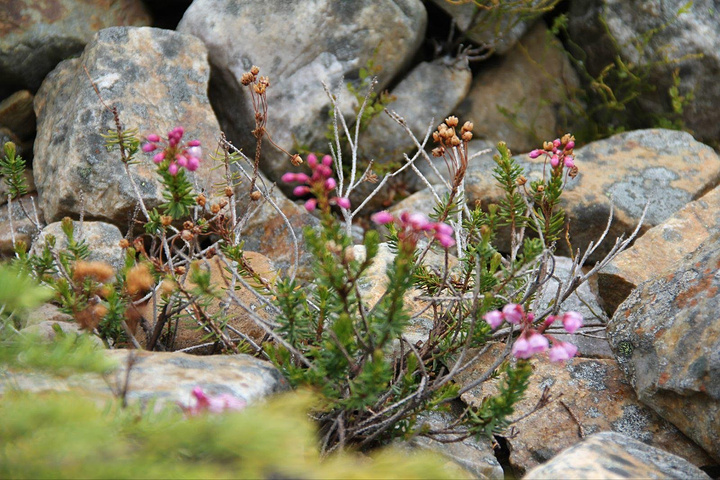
(177, 155)
(453, 148)
(532, 340)
(414, 224)
(206, 403)
(559, 151)
(320, 184)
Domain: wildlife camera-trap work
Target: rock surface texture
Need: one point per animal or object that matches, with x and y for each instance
(666, 336)
(166, 378)
(158, 80)
(102, 239)
(665, 167)
(689, 42)
(298, 45)
(659, 249)
(504, 104)
(588, 396)
(612, 455)
(36, 36)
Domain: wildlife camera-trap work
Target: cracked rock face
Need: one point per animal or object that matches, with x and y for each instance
(298, 45)
(666, 337)
(35, 36)
(158, 80)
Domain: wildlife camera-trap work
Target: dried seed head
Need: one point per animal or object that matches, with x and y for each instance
(438, 152)
(521, 180)
(124, 243)
(165, 220)
(467, 136)
(371, 177)
(455, 141)
(573, 172)
(349, 255)
(214, 208)
(228, 191)
(223, 203)
(188, 225)
(186, 235)
(296, 160)
(255, 70)
(255, 195)
(139, 280)
(259, 88)
(436, 137)
(201, 200)
(264, 81)
(442, 127)
(567, 138)
(467, 127)
(179, 270)
(451, 121)
(548, 146)
(247, 78)
(540, 188)
(98, 271)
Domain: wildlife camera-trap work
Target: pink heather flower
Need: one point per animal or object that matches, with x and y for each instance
(193, 163)
(570, 145)
(562, 351)
(443, 228)
(194, 150)
(445, 240)
(418, 221)
(536, 153)
(527, 346)
(382, 218)
(310, 205)
(555, 161)
(327, 160)
(330, 183)
(301, 190)
(312, 160)
(513, 313)
(288, 177)
(557, 143)
(342, 202)
(494, 318)
(568, 161)
(521, 348)
(206, 403)
(572, 321)
(179, 155)
(549, 320)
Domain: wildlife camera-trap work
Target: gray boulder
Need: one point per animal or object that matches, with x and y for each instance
(36, 36)
(665, 336)
(158, 80)
(689, 42)
(298, 45)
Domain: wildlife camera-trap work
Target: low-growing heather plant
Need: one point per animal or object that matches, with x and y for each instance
(372, 381)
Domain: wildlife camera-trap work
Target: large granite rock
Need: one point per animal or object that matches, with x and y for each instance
(165, 378)
(590, 395)
(102, 239)
(689, 42)
(16, 223)
(157, 79)
(666, 167)
(498, 27)
(521, 98)
(298, 45)
(432, 89)
(666, 336)
(659, 249)
(613, 455)
(36, 36)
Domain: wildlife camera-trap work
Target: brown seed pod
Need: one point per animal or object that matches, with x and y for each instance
(255, 195)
